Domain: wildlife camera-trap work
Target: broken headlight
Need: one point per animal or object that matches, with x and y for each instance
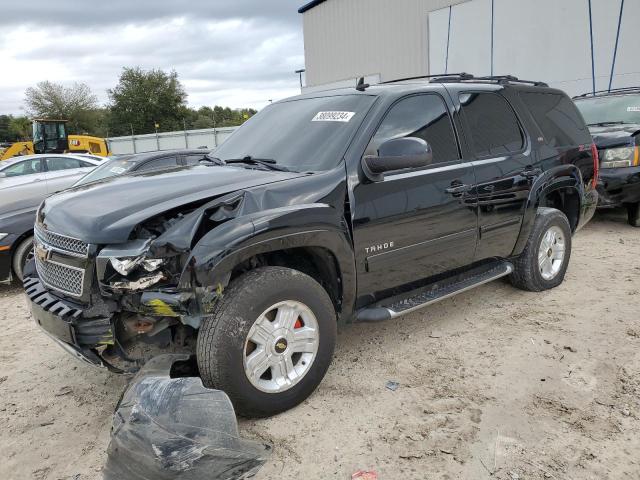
(131, 266)
(125, 265)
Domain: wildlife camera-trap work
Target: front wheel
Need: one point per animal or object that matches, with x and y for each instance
(269, 341)
(544, 261)
(633, 214)
(22, 255)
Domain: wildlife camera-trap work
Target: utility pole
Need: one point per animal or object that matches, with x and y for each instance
(157, 138)
(300, 72)
(133, 138)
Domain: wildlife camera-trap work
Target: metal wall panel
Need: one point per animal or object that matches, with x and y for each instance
(345, 39)
(534, 39)
(208, 138)
(539, 40)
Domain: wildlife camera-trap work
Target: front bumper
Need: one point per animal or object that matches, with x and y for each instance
(65, 323)
(619, 186)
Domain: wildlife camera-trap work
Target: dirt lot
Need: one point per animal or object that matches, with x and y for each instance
(493, 383)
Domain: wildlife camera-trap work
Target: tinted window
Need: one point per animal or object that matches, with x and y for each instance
(24, 168)
(194, 159)
(65, 163)
(422, 116)
(111, 168)
(558, 118)
(307, 134)
(164, 162)
(494, 128)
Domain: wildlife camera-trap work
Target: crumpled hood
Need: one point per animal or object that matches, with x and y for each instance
(614, 135)
(106, 212)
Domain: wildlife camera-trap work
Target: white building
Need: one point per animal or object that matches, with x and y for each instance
(548, 40)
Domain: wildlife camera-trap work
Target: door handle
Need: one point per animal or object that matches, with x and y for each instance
(531, 172)
(458, 188)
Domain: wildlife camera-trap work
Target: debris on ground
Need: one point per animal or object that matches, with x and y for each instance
(364, 475)
(175, 428)
(571, 349)
(392, 385)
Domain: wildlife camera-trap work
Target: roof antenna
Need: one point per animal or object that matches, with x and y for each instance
(361, 86)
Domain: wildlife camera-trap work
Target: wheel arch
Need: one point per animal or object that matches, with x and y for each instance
(559, 188)
(322, 249)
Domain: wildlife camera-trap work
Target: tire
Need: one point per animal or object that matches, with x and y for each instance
(633, 214)
(529, 274)
(224, 350)
(21, 256)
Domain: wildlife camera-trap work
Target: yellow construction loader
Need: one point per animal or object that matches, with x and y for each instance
(50, 136)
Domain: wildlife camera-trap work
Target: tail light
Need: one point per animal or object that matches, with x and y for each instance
(596, 164)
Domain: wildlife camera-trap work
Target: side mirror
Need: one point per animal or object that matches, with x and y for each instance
(3, 174)
(397, 154)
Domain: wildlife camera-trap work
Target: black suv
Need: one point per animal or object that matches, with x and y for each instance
(614, 119)
(358, 204)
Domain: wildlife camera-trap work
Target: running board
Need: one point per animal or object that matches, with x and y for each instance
(398, 306)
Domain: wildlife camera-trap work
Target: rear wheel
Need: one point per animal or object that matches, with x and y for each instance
(269, 341)
(633, 214)
(544, 261)
(22, 255)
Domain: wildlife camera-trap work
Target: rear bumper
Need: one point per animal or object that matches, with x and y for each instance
(64, 322)
(619, 186)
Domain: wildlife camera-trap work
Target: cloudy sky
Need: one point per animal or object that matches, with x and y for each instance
(236, 53)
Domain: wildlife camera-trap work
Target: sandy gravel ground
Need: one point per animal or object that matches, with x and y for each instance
(494, 383)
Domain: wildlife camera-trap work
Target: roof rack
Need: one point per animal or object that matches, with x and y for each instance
(613, 90)
(440, 75)
(468, 77)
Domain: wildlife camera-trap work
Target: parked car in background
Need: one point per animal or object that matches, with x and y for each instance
(24, 182)
(614, 120)
(140, 162)
(357, 204)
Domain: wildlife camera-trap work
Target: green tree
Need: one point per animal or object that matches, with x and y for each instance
(20, 128)
(142, 99)
(76, 103)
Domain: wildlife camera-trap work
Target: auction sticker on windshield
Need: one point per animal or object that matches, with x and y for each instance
(633, 109)
(333, 116)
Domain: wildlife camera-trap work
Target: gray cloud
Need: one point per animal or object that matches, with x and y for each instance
(238, 53)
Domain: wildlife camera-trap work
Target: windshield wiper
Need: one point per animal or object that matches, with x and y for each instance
(214, 160)
(264, 162)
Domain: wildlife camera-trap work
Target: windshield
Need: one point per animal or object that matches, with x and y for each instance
(303, 135)
(610, 109)
(113, 166)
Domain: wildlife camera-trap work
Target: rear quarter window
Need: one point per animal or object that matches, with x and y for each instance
(558, 118)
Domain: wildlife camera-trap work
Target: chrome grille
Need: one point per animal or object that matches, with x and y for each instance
(61, 277)
(62, 242)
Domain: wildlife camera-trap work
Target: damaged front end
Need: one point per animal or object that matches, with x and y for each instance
(133, 300)
(168, 426)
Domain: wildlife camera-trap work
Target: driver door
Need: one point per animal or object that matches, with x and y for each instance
(419, 223)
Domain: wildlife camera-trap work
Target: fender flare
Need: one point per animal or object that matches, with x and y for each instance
(560, 178)
(320, 226)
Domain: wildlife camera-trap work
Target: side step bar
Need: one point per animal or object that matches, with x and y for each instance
(410, 302)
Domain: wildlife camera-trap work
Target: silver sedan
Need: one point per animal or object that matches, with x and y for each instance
(24, 183)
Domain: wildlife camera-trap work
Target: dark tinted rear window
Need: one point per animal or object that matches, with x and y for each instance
(558, 119)
(494, 127)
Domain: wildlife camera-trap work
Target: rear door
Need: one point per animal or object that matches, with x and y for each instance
(64, 171)
(504, 167)
(411, 225)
